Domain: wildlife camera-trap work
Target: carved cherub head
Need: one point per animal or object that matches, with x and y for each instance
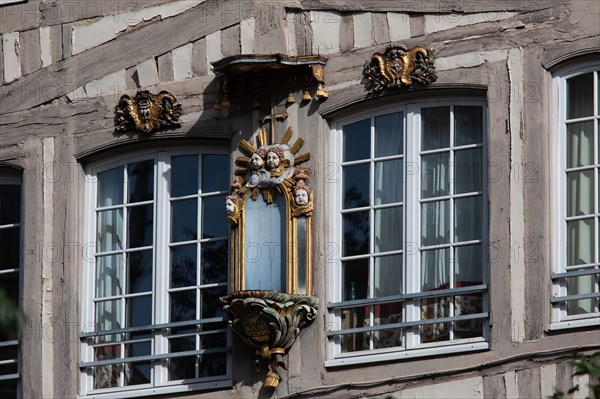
(301, 194)
(274, 157)
(257, 160)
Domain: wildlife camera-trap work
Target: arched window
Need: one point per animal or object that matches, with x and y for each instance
(576, 198)
(410, 215)
(10, 280)
(156, 265)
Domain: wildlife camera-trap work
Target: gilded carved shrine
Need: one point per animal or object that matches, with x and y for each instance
(147, 112)
(400, 67)
(269, 211)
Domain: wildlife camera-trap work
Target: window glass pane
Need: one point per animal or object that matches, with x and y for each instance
(211, 307)
(357, 140)
(435, 269)
(214, 262)
(467, 221)
(435, 128)
(435, 308)
(9, 288)
(580, 96)
(580, 193)
(352, 318)
(580, 242)
(110, 187)
(435, 223)
(109, 315)
(214, 217)
(388, 229)
(10, 204)
(468, 125)
(139, 271)
(355, 279)
(580, 144)
(468, 265)
(141, 223)
(9, 248)
(139, 311)
(389, 136)
(184, 220)
(465, 305)
(435, 175)
(183, 305)
(140, 181)
(389, 181)
(215, 173)
(182, 367)
(183, 266)
(390, 313)
(467, 171)
(212, 365)
(110, 230)
(9, 388)
(356, 233)
(8, 353)
(184, 175)
(582, 285)
(388, 275)
(356, 186)
(216, 340)
(109, 275)
(107, 376)
(139, 371)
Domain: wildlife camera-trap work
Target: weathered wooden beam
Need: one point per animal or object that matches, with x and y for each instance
(434, 6)
(123, 52)
(36, 13)
(497, 35)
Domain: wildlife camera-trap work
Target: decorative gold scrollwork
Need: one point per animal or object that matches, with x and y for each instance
(398, 67)
(269, 321)
(147, 112)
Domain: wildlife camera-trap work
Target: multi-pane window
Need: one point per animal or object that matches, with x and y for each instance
(154, 277)
(411, 219)
(576, 278)
(10, 263)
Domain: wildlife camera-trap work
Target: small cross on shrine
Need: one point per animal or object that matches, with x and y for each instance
(273, 117)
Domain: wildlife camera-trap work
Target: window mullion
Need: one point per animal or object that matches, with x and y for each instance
(413, 222)
(161, 256)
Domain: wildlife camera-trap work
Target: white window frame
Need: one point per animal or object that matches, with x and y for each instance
(160, 311)
(13, 177)
(412, 217)
(559, 319)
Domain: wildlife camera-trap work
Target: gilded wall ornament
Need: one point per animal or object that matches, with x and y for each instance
(269, 321)
(399, 67)
(147, 112)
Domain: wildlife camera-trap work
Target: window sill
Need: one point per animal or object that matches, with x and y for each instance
(563, 325)
(164, 390)
(370, 357)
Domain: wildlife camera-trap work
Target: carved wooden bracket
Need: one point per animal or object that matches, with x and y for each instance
(147, 112)
(399, 67)
(269, 321)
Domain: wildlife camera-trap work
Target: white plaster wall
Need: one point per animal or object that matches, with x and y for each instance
(469, 388)
(326, 32)
(182, 62)
(12, 56)
(363, 29)
(247, 35)
(87, 35)
(399, 26)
